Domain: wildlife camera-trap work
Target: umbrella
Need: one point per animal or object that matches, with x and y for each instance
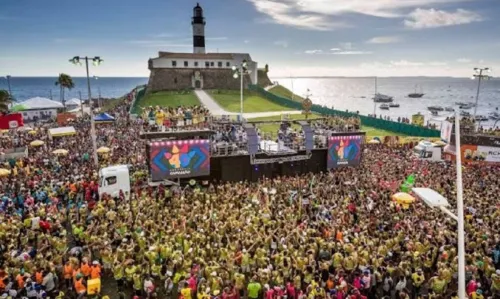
(32, 132)
(19, 107)
(374, 141)
(4, 172)
(37, 143)
(61, 152)
(403, 199)
(103, 150)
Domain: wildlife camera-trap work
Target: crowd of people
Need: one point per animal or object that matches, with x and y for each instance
(331, 235)
(170, 118)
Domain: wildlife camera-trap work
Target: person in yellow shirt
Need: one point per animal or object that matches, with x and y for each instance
(186, 291)
(418, 279)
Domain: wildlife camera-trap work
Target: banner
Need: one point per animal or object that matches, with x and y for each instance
(11, 121)
(179, 159)
(446, 128)
(344, 151)
(417, 119)
(488, 154)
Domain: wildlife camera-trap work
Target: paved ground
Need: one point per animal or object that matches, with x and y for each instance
(215, 109)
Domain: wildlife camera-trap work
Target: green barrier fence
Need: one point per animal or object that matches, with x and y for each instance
(406, 129)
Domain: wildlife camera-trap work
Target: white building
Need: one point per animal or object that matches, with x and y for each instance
(40, 109)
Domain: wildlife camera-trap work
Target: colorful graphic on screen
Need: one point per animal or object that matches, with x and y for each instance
(179, 159)
(344, 151)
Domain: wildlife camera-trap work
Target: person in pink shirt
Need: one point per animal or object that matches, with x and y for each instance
(192, 283)
(269, 292)
(290, 291)
(471, 286)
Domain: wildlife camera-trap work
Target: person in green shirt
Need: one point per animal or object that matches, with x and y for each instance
(254, 288)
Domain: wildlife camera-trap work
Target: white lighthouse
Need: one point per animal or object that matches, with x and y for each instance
(198, 23)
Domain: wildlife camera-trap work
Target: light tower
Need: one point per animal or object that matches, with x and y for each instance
(198, 30)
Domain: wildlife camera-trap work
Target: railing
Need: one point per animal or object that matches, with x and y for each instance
(402, 128)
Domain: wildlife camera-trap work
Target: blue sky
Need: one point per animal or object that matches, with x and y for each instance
(295, 37)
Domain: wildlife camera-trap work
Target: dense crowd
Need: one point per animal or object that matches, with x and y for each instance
(330, 235)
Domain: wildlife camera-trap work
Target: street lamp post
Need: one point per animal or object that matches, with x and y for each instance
(434, 199)
(99, 104)
(480, 76)
(96, 61)
(240, 71)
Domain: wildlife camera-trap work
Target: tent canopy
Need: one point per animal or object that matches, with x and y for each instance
(73, 102)
(104, 117)
(41, 103)
(62, 131)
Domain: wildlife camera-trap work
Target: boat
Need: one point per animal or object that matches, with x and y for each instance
(416, 94)
(464, 113)
(481, 118)
(466, 106)
(435, 108)
(434, 112)
(384, 107)
(494, 115)
(381, 98)
(394, 105)
(449, 109)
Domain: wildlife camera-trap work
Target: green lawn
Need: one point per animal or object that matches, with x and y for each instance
(252, 102)
(286, 93)
(371, 131)
(111, 104)
(169, 99)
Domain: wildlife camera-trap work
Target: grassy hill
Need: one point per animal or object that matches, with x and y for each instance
(286, 93)
(168, 99)
(252, 102)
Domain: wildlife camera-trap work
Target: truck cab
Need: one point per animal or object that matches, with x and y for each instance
(427, 150)
(113, 179)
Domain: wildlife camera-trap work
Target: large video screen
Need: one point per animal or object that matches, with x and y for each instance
(344, 151)
(179, 159)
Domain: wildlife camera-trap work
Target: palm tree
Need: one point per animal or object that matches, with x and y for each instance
(64, 81)
(4, 101)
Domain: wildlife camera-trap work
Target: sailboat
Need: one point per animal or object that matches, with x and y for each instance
(416, 94)
(381, 98)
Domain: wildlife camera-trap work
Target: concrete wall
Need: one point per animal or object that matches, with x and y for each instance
(176, 79)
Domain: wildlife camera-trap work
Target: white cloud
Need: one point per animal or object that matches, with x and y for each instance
(432, 18)
(351, 53)
(464, 60)
(281, 43)
(346, 46)
(384, 40)
(288, 13)
(314, 52)
(246, 41)
(335, 49)
(407, 63)
(318, 14)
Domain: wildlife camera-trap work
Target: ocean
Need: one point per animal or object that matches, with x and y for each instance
(24, 88)
(353, 94)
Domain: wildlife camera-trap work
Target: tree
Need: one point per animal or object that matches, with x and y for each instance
(64, 81)
(4, 101)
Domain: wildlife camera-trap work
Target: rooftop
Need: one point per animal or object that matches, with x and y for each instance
(225, 56)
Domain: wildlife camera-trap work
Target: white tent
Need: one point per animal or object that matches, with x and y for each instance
(41, 103)
(62, 131)
(73, 102)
